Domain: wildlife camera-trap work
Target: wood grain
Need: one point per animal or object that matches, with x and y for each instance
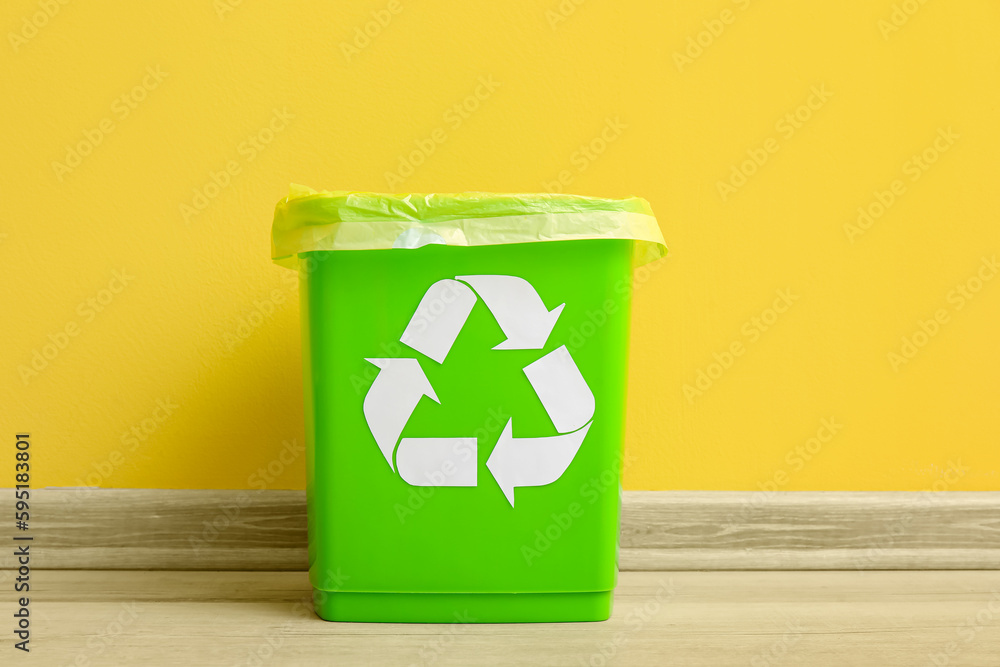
(810, 530)
(884, 619)
(674, 530)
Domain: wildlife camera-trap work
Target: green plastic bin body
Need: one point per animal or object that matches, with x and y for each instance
(455, 480)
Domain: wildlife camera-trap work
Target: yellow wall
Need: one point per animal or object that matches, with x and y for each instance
(161, 299)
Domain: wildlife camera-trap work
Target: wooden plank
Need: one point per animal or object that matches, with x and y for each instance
(890, 619)
(810, 530)
(168, 529)
(723, 558)
(676, 530)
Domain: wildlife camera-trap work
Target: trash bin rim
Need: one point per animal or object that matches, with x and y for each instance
(309, 220)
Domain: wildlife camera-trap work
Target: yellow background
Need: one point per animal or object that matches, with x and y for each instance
(182, 330)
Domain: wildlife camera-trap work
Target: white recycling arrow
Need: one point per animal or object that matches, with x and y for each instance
(392, 398)
(532, 461)
(437, 461)
(518, 310)
(561, 389)
(439, 317)
(401, 383)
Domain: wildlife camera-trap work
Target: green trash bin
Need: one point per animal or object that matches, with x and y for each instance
(465, 366)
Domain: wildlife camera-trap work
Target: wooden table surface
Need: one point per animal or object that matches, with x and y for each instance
(884, 618)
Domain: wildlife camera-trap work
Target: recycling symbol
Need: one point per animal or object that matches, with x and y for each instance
(433, 329)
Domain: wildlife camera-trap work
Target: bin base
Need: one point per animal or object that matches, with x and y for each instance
(463, 607)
